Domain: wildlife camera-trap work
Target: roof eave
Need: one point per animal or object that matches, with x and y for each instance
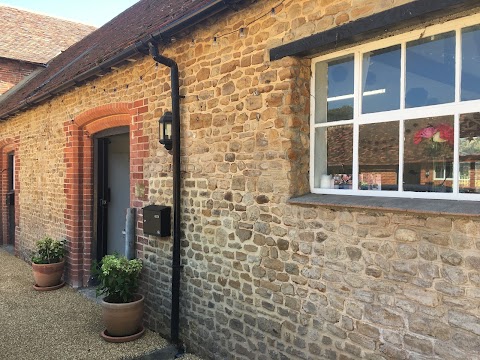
(140, 47)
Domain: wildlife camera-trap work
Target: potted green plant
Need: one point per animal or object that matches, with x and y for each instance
(122, 307)
(48, 263)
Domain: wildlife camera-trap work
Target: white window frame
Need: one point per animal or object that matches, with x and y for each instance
(454, 109)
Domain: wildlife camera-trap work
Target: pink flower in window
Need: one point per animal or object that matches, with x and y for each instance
(425, 133)
(346, 178)
(445, 133)
(438, 140)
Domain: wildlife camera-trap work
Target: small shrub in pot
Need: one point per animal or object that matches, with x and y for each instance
(48, 264)
(49, 251)
(122, 307)
(118, 278)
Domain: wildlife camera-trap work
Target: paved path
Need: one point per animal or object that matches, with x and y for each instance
(60, 324)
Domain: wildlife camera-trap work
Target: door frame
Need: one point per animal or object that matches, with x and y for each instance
(10, 198)
(8, 146)
(79, 183)
(101, 191)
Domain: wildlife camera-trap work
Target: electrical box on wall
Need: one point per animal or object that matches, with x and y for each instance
(156, 220)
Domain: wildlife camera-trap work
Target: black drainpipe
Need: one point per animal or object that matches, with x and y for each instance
(176, 267)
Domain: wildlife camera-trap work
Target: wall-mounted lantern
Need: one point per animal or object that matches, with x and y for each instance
(165, 130)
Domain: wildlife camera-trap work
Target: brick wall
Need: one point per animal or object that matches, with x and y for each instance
(12, 72)
(262, 278)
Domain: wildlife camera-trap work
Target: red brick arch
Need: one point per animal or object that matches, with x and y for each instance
(7, 142)
(104, 112)
(108, 123)
(79, 185)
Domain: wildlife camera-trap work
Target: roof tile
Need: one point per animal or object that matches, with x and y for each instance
(143, 18)
(36, 38)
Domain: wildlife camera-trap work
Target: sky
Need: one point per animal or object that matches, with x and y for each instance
(91, 12)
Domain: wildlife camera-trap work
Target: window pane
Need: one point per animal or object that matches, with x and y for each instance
(470, 63)
(340, 89)
(428, 154)
(469, 152)
(381, 80)
(333, 157)
(430, 77)
(378, 156)
(443, 170)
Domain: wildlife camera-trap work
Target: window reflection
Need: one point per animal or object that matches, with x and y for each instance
(470, 63)
(428, 154)
(469, 153)
(430, 72)
(340, 89)
(381, 80)
(378, 156)
(340, 156)
(443, 170)
(334, 157)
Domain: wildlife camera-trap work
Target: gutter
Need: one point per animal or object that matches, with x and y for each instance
(176, 266)
(163, 35)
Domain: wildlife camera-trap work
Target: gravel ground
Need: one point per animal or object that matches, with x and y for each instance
(60, 324)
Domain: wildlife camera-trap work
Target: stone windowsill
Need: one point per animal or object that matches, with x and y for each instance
(405, 205)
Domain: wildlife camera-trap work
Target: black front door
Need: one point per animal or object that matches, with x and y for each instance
(112, 192)
(103, 197)
(11, 198)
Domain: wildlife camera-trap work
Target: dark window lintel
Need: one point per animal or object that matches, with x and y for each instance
(401, 17)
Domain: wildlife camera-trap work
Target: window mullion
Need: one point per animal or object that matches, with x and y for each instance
(456, 157)
(313, 111)
(401, 130)
(357, 92)
(456, 127)
(401, 136)
(403, 67)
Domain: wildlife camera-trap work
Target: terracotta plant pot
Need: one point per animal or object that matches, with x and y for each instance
(47, 275)
(123, 319)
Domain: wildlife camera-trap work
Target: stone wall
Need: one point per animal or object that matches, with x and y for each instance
(262, 278)
(340, 284)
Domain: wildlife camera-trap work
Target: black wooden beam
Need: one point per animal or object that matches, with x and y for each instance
(401, 17)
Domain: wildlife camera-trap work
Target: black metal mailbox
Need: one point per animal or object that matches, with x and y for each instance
(156, 220)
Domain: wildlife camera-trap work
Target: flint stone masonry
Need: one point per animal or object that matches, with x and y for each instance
(263, 277)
